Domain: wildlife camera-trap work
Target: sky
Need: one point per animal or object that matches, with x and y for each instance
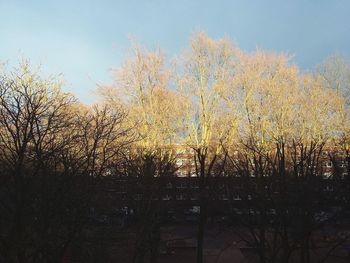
(85, 40)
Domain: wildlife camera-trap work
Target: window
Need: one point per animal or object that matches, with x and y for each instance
(194, 186)
(328, 188)
(181, 185)
(237, 197)
(180, 197)
(166, 197)
(223, 197)
(138, 197)
(194, 197)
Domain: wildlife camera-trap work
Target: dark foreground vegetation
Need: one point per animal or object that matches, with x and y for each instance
(263, 149)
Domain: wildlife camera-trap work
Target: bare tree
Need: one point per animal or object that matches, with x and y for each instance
(207, 69)
(51, 157)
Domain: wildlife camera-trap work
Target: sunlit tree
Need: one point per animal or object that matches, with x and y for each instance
(143, 86)
(205, 71)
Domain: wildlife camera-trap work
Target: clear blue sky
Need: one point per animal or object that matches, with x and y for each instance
(85, 39)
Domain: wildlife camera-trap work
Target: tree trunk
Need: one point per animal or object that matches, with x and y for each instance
(203, 210)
